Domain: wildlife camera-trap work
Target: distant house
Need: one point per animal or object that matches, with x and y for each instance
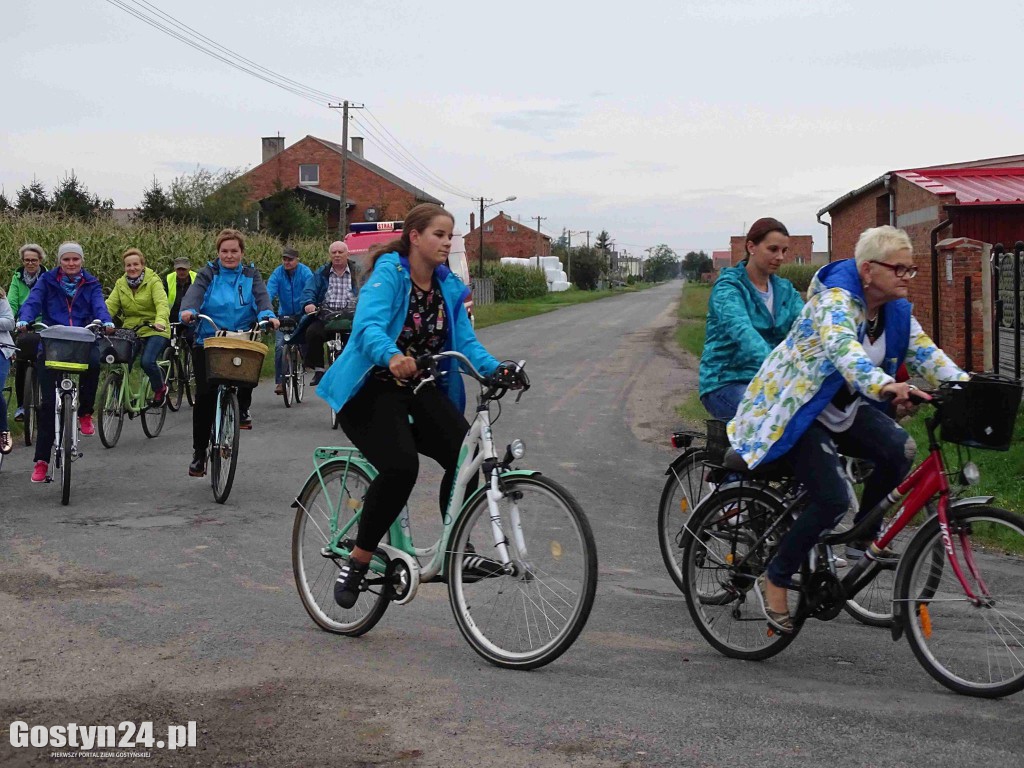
(719, 261)
(504, 236)
(312, 168)
(124, 216)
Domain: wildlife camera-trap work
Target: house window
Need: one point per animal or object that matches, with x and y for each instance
(511, 227)
(309, 174)
(488, 227)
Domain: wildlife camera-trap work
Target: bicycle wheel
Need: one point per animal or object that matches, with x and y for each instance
(287, 380)
(175, 379)
(188, 374)
(153, 418)
(224, 455)
(728, 549)
(67, 428)
(316, 572)
(685, 487)
(111, 420)
(971, 647)
(300, 374)
(529, 616)
(31, 404)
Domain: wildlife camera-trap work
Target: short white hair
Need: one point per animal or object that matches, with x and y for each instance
(878, 243)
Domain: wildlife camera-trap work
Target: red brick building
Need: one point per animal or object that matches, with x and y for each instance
(953, 214)
(800, 249)
(312, 167)
(507, 237)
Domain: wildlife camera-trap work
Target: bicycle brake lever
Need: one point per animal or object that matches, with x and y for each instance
(424, 381)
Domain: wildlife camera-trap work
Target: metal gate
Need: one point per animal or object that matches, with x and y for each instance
(1008, 306)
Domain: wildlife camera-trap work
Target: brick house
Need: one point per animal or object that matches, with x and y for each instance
(312, 167)
(801, 249)
(507, 237)
(953, 214)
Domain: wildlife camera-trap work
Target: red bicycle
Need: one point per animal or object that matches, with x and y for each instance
(958, 593)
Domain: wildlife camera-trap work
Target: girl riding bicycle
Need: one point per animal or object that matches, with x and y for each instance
(410, 306)
(66, 295)
(139, 299)
(750, 311)
(810, 399)
(235, 297)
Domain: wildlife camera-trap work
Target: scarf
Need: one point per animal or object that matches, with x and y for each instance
(135, 282)
(30, 280)
(70, 284)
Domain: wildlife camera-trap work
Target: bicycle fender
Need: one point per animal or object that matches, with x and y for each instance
(483, 487)
(330, 456)
(970, 501)
(681, 459)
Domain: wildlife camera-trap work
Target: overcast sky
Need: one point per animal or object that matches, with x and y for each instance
(663, 122)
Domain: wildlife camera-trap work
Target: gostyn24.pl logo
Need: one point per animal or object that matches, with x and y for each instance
(126, 735)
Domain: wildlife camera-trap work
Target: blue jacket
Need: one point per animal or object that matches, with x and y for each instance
(234, 298)
(740, 329)
(380, 315)
(48, 299)
(316, 289)
(288, 288)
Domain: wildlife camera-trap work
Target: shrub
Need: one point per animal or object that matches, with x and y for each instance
(798, 274)
(511, 282)
(630, 279)
(104, 241)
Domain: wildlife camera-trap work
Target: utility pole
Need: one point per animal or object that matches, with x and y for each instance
(539, 220)
(345, 106)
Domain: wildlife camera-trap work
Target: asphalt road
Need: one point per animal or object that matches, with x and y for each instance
(145, 600)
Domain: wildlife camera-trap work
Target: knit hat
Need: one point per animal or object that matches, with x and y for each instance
(70, 248)
(32, 247)
(181, 261)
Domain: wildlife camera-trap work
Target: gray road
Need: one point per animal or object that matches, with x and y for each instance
(144, 600)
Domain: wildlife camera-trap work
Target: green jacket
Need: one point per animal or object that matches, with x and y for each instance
(740, 329)
(147, 305)
(171, 281)
(18, 291)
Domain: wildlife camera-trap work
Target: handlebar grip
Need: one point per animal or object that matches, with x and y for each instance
(425, 362)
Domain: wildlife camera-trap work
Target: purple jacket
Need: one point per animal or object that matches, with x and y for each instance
(48, 299)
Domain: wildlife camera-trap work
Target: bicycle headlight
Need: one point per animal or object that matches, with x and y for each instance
(66, 384)
(970, 474)
(517, 449)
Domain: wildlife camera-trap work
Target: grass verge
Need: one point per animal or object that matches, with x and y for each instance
(502, 312)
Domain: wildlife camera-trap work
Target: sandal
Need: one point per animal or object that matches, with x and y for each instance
(780, 620)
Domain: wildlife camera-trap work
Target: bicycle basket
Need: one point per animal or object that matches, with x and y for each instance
(235, 361)
(119, 347)
(717, 440)
(288, 324)
(336, 321)
(67, 348)
(981, 412)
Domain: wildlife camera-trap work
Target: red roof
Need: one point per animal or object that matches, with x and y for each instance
(972, 186)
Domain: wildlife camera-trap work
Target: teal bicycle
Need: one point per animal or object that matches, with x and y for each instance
(518, 553)
(117, 397)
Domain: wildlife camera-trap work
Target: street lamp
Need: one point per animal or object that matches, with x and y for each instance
(490, 201)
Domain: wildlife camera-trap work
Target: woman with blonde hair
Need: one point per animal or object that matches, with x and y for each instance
(139, 299)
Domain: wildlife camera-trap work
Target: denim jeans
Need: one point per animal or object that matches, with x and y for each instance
(816, 464)
(723, 402)
(5, 367)
(152, 348)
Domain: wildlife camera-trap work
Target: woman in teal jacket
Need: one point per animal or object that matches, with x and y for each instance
(749, 313)
(410, 306)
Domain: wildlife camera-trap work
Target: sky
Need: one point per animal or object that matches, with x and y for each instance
(661, 122)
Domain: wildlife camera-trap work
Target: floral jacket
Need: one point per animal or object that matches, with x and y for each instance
(823, 352)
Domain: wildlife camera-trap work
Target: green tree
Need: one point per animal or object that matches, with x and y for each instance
(213, 199)
(588, 266)
(663, 264)
(72, 198)
(5, 204)
(287, 217)
(695, 264)
(603, 240)
(156, 204)
(32, 198)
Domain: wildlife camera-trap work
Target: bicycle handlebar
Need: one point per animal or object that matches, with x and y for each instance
(507, 376)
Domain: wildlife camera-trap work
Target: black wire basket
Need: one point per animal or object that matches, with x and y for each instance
(980, 412)
(717, 440)
(119, 347)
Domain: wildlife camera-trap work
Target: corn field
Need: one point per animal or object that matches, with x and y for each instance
(104, 241)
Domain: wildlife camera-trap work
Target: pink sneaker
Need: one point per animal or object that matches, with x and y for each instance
(39, 472)
(85, 424)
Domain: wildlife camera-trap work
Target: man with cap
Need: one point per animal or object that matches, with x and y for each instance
(66, 295)
(286, 284)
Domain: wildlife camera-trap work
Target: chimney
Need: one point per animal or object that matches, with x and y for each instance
(472, 221)
(357, 146)
(272, 145)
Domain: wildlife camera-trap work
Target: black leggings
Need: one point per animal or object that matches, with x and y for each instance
(206, 402)
(28, 348)
(376, 420)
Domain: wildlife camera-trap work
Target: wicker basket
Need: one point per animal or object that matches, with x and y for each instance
(981, 412)
(234, 361)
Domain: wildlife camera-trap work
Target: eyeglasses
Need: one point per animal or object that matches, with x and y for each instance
(900, 270)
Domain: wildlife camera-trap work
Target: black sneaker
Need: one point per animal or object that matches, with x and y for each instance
(475, 567)
(244, 420)
(349, 583)
(316, 378)
(198, 466)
